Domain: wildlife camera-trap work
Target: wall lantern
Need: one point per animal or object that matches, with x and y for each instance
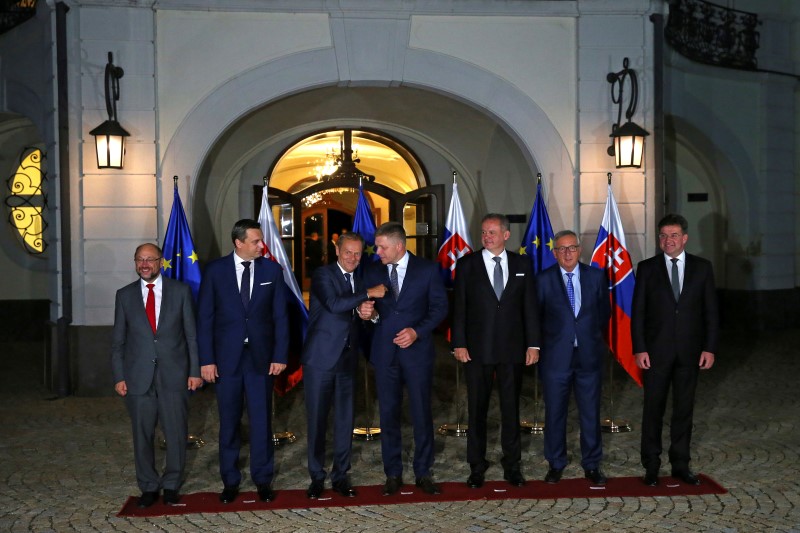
(627, 140)
(109, 137)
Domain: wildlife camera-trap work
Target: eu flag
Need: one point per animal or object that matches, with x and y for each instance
(537, 243)
(180, 259)
(364, 225)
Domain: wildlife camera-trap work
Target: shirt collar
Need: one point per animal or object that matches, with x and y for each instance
(156, 282)
(681, 258)
(487, 255)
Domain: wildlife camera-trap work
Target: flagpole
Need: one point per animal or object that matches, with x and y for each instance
(367, 432)
(610, 424)
(458, 429)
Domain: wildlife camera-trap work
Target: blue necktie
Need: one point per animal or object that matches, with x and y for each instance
(244, 288)
(347, 277)
(571, 291)
(394, 281)
(498, 277)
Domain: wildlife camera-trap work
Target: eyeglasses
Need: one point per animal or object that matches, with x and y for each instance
(148, 260)
(665, 236)
(564, 249)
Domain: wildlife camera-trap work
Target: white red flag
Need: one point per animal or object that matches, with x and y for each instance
(456, 241)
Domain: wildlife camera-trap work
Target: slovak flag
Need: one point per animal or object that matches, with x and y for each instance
(456, 240)
(611, 254)
(298, 314)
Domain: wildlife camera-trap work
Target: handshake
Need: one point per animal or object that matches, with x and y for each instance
(366, 310)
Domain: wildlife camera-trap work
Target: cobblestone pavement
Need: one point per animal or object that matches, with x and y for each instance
(66, 464)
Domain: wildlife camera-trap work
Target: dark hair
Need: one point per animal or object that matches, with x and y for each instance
(502, 219)
(393, 230)
(673, 219)
(566, 233)
(349, 236)
(147, 244)
(239, 231)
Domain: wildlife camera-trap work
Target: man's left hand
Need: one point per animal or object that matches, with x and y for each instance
(405, 337)
(706, 360)
(531, 356)
(276, 368)
(195, 383)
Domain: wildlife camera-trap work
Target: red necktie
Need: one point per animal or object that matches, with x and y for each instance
(150, 306)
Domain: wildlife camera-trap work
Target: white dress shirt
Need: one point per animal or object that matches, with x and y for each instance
(157, 291)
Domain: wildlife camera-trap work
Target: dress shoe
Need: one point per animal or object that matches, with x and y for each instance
(686, 476)
(265, 493)
(315, 489)
(475, 480)
(344, 488)
(595, 476)
(171, 497)
(553, 475)
(514, 477)
(147, 499)
(427, 485)
(229, 494)
(651, 479)
(393, 484)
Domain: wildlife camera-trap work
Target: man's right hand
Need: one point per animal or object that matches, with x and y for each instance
(462, 354)
(209, 373)
(378, 291)
(121, 387)
(642, 360)
(366, 310)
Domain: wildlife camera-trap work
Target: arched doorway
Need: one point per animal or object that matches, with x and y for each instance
(315, 182)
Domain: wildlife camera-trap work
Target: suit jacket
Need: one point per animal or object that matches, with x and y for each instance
(667, 329)
(332, 323)
(422, 305)
(223, 323)
(560, 327)
(495, 331)
(135, 348)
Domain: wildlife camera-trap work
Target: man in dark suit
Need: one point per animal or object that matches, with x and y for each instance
(242, 326)
(495, 331)
(330, 358)
(575, 308)
(675, 331)
(331, 253)
(154, 362)
(402, 350)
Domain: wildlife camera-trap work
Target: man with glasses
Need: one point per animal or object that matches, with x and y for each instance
(675, 331)
(575, 308)
(154, 363)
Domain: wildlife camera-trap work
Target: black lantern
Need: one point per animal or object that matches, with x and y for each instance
(109, 137)
(627, 140)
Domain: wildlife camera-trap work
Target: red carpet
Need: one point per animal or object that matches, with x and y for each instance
(208, 502)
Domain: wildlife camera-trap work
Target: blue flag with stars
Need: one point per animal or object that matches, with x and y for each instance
(537, 243)
(364, 225)
(180, 259)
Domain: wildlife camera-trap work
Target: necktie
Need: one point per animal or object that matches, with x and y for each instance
(150, 306)
(571, 291)
(244, 288)
(394, 281)
(676, 280)
(498, 277)
(347, 277)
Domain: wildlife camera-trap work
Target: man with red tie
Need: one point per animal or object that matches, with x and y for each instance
(154, 363)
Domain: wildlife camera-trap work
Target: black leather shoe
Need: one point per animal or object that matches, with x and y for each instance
(595, 476)
(147, 499)
(475, 480)
(265, 493)
(427, 485)
(553, 475)
(686, 476)
(171, 497)
(315, 489)
(515, 478)
(651, 479)
(344, 488)
(229, 494)
(392, 485)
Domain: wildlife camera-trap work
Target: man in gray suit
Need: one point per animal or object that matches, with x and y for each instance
(154, 362)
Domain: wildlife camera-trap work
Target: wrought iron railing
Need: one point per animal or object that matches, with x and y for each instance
(712, 34)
